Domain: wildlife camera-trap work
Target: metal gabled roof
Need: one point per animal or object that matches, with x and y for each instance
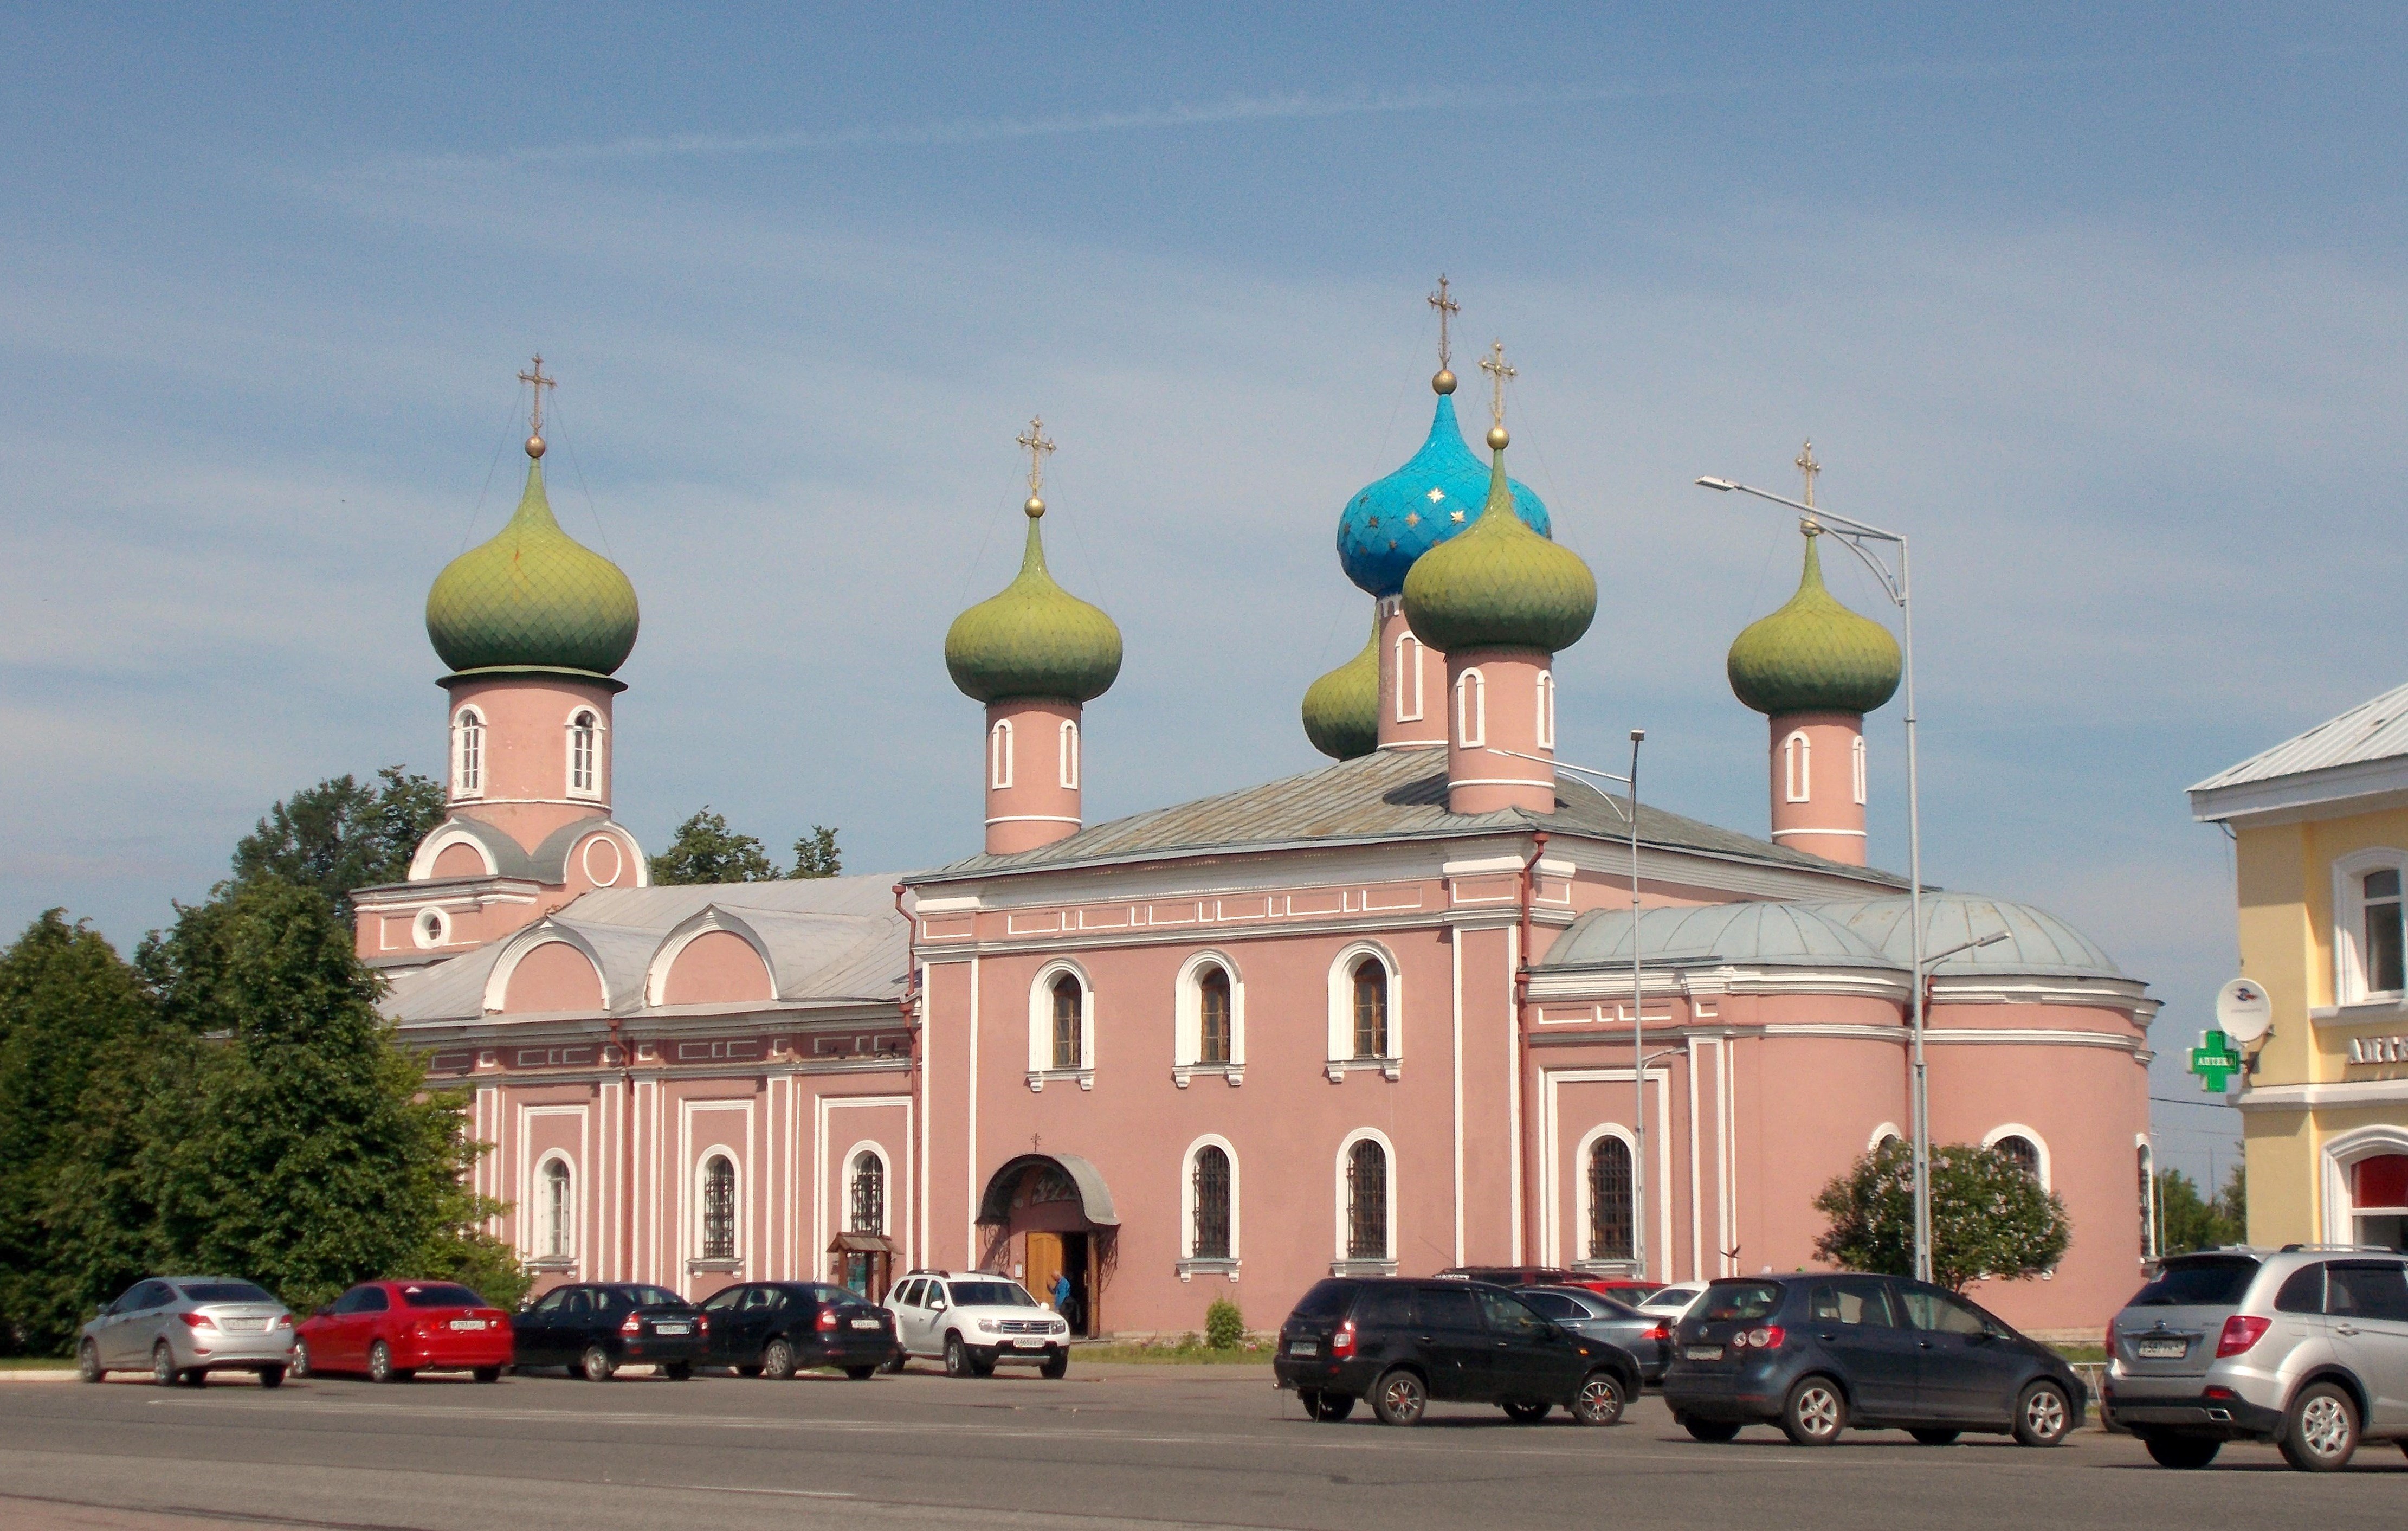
(2368, 733)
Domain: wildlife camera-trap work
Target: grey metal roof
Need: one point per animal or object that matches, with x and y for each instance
(829, 939)
(1386, 795)
(2372, 731)
(2038, 943)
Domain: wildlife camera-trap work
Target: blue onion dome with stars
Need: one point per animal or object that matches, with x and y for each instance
(1438, 492)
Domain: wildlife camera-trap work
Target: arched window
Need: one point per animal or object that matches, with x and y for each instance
(1370, 1008)
(1213, 1015)
(1408, 678)
(1610, 1214)
(2022, 1150)
(1366, 1200)
(1471, 709)
(998, 754)
(718, 1209)
(1546, 709)
(468, 753)
(1795, 767)
(869, 1192)
(584, 755)
(2148, 1203)
(1069, 755)
(1211, 1177)
(1856, 767)
(1068, 1004)
(558, 1208)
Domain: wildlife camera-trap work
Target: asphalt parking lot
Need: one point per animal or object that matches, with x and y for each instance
(1111, 1445)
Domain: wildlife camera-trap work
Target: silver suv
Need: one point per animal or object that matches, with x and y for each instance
(2306, 1346)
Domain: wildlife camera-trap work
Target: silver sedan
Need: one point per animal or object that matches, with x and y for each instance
(180, 1328)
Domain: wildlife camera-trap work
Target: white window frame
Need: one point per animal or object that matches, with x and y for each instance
(430, 928)
(1585, 1201)
(590, 787)
(2338, 1157)
(1857, 768)
(1069, 745)
(702, 1206)
(1471, 709)
(1190, 1263)
(1798, 766)
(1187, 1020)
(566, 1253)
(1546, 688)
(998, 755)
(468, 753)
(1341, 1262)
(1342, 1058)
(1040, 1026)
(1408, 671)
(887, 1198)
(2016, 1129)
(2349, 920)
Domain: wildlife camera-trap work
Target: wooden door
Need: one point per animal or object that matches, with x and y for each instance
(1044, 1263)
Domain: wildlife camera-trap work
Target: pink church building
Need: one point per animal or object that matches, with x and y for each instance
(1376, 1017)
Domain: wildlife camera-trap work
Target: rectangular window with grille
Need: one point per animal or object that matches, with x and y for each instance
(1367, 1202)
(1610, 1220)
(1211, 1185)
(719, 1210)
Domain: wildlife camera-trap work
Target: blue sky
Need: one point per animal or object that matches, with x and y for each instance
(2103, 304)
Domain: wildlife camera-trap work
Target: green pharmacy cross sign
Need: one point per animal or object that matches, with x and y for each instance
(2216, 1059)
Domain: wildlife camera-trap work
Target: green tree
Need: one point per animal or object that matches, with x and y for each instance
(1225, 1325)
(77, 1039)
(1988, 1217)
(816, 853)
(707, 851)
(306, 1150)
(341, 834)
(2187, 1221)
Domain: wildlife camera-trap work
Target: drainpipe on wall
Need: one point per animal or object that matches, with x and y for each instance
(1530, 1179)
(626, 1152)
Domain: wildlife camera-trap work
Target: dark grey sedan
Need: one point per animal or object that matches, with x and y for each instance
(1649, 1339)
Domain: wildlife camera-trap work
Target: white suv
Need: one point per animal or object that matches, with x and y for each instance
(973, 1320)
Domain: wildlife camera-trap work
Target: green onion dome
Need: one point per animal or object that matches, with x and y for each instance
(532, 596)
(1500, 584)
(1815, 655)
(1034, 639)
(1342, 710)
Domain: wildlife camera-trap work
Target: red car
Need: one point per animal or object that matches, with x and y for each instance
(391, 1330)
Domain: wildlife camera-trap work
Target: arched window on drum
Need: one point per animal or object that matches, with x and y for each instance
(1611, 1215)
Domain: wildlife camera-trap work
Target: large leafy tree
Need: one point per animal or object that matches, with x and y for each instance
(2187, 1221)
(342, 834)
(307, 1152)
(79, 1039)
(1989, 1218)
(817, 855)
(706, 850)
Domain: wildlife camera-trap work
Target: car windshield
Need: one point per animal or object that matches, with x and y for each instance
(2215, 1280)
(1669, 1297)
(1326, 1300)
(991, 1294)
(225, 1291)
(611, 1297)
(442, 1294)
(1745, 1301)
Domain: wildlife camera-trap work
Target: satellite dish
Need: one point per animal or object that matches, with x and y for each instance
(2242, 1011)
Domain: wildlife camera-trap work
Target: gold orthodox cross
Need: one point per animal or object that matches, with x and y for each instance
(1495, 365)
(1033, 441)
(535, 420)
(1807, 468)
(1446, 307)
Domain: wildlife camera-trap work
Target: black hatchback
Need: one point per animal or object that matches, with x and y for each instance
(1815, 1354)
(1404, 1344)
(594, 1330)
(777, 1328)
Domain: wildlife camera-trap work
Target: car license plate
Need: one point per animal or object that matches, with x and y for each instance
(1304, 1347)
(467, 1324)
(1702, 1353)
(1029, 1344)
(246, 1326)
(2161, 1349)
(673, 1329)
(865, 1324)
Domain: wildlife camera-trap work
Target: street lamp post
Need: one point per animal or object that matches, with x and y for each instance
(1854, 535)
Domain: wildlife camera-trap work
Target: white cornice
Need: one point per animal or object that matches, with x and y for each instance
(2361, 786)
(2345, 1092)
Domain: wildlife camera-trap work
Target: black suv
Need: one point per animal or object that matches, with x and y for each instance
(1405, 1343)
(1815, 1354)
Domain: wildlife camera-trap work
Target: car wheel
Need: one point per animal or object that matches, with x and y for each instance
(300, 1367)
(894, 1366)
(162, 1366)
(679, 1371)
(1935, 1437)
(1057, 1366)
(2320, 1429)
(1600, 1399)
(748, 1371)
(957, 1358)
(1709, 1430)
(777, 1361)
(487, 1374)
(1527, 1413)
(271, 1376)
(861, 1374)
(1815, 1413)
(1332, 1407)
(597, 1365)
(381, 1368)
(2183, 1451)
(88, 1362)
(2043, 1416)
(982, 1366)
(1399, 1397)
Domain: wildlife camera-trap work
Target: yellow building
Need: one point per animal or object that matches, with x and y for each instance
(2320, 835)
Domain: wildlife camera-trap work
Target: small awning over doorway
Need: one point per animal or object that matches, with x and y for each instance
(861, 1244)
(1056, 1176)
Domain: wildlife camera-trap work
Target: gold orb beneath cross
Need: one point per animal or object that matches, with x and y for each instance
(1034, 509)
(535, 446)
(1443, 382)
(1498, 437)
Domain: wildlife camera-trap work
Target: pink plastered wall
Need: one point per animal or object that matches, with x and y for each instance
(1829, 822)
